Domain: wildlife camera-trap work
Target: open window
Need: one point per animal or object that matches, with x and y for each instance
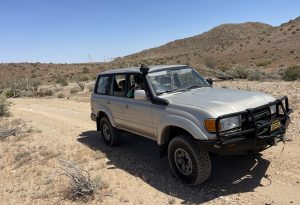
(119, 85)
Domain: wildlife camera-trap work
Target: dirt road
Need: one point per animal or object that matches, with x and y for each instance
(136, 174)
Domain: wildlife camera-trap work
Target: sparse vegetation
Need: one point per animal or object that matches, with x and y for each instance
(20, 87)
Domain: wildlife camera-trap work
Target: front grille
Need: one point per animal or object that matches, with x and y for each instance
(262, 115)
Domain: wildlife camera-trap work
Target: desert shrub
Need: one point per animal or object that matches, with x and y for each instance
(83, 78)
(60, 95)
(43, 93)
(238, 72)
(22, 158)
(85, 70)
(62, 81)
(256, 75)
(75, 90)
(292, 73)
(210, 62)
(263, 63)
(3, 106)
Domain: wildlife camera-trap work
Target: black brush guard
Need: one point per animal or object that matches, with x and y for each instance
(255, 133)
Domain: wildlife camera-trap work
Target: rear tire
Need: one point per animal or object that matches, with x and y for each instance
(109, 134)
(187, 161)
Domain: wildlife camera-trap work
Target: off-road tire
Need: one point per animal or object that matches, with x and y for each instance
(107, 129)
(201, 164)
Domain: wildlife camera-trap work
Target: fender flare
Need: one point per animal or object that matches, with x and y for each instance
(186, 124)
(108, 113)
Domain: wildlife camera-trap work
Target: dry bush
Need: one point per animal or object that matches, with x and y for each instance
(238, 72)
(80, 186)
(22, 158)
(43, 93)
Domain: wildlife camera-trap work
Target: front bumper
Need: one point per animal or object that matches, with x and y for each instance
(256, 132)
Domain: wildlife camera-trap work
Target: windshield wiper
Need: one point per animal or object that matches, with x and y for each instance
(193, 87)
(179, 90)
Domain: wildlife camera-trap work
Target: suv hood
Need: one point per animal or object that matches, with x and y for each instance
(220, 100)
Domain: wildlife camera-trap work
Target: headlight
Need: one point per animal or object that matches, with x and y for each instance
(225, 124)
(273, 109)
(230, 123)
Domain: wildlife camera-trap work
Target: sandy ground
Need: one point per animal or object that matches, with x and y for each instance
(133, 171)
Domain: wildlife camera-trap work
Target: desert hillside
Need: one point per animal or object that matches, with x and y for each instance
(254, 45)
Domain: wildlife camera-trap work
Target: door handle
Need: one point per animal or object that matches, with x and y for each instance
(108, 102)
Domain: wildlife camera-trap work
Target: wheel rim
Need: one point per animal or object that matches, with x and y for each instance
(106, 132)
(183, 161)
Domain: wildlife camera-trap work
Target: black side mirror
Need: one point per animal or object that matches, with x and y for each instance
(210, 81)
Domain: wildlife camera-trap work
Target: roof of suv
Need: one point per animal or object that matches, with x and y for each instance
(137, 69)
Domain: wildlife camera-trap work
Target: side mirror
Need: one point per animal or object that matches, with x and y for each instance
(140, 95)
(210, 81)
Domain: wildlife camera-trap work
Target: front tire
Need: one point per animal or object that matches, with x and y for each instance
(187, 161)
(108, 132)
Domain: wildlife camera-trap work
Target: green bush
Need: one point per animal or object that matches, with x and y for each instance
(292, 73)
(3, 106)
(62, 81)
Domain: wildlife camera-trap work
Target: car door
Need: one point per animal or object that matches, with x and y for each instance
(138, 113)
(117, 100)
(108, 100)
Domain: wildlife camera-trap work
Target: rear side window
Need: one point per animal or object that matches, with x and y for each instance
(104, 85)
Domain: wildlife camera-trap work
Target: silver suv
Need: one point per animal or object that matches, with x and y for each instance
(187, 117)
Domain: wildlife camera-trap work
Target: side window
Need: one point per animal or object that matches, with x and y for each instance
(119, 84)
(104, 85)
(136, 82)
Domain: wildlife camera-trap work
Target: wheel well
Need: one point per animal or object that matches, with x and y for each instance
(172, 131)
(98, 118)
(167, 135)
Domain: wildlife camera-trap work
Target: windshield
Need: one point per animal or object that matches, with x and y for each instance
(176, 79)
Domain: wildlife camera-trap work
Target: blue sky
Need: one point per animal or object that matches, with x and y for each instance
(70, 31)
